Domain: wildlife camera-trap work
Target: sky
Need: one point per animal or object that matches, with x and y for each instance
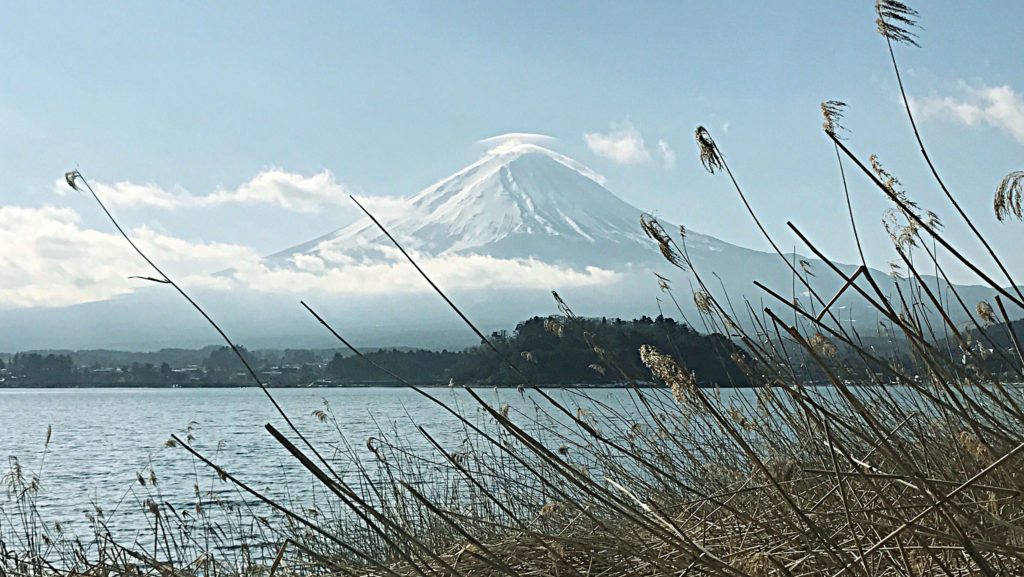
(219, 132)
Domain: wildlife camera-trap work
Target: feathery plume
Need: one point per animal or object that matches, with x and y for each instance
(553, 327)
(702, 301)
(682, 382)
(822, 345)
(653, 229)
(895, 21)
(663, 283)
(892, 184)
(832, 110)
(985, 312)
(1008, 196)
(71, 177)
(895, 270)
(709, 154)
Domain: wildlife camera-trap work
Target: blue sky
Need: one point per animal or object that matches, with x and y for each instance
(253, 121)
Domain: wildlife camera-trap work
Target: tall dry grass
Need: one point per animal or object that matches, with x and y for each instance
(837, 461)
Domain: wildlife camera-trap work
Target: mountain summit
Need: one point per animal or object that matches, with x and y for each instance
(520, 200)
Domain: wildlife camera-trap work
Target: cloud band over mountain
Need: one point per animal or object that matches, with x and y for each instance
(274, 187)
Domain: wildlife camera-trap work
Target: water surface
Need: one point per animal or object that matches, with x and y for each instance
(103, 439)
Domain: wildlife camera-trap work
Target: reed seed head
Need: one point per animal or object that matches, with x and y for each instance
(888, 179)
(741, 362)
(553, 327)
(896, 20)
(805, 266)
(663, 283)
(823, 346)
(562, 305)
(71, 178)
(1008, 196)
(985, 312)
(976, 447)
(832, 110)
(898, 195)
(552, 509)
(682, 382)
(702, 301)
(710, 156)
(655, 231)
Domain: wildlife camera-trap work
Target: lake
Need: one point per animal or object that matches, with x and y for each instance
(102, 439)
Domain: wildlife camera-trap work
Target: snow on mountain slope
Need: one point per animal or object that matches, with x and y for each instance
(519, 201)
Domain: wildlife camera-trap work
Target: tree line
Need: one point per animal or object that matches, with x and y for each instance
(546, 350)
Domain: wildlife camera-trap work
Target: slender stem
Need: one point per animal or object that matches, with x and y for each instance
(849, 207)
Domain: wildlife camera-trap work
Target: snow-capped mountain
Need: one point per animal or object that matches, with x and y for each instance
(519, 201)
(498, 236)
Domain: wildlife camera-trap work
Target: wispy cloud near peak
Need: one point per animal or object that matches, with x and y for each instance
(623, 144)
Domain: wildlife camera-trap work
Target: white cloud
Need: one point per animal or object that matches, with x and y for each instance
(667, 154)
(517, 137)
(623, 144)
(47, 259)
(273, 187)
(380, 206)
(453, 272)
(997, 106)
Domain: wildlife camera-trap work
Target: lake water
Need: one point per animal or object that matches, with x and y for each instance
(103, 438)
